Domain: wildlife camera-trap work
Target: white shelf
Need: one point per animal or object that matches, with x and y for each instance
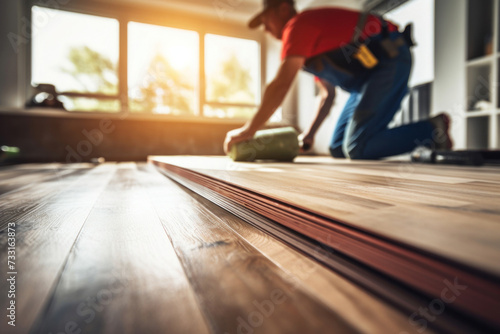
(482, 74)
(479, 84)
(467, 70)
(479, 113)
(478, 132)
(496, 129)
(484, 60)
(480, 27)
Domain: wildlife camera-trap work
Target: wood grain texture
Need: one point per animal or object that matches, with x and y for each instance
(431, 208)
(405, 300)
(122, 249)
(408, 234)
(12, 178)
(364, 311)
(239, 289)
(33, 189)
(122, 275)
(48, 218)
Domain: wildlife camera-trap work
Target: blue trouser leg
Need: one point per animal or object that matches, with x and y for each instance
(361, 131)
(397, 140)
(366, 135)
(339, 132)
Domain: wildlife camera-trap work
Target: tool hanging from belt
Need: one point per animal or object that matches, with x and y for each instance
(360, 54)
(390, 47)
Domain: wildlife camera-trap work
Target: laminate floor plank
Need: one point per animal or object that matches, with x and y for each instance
(27, 198)
(403, 300)
(418, 207)
(364, 311)
(21, 176)
(48, 218)
(239, 289)
(415, 234)
(122, 275)
(8, 174)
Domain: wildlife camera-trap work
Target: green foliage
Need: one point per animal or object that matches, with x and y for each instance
(164, 90)
(231, 83)
(94, 72)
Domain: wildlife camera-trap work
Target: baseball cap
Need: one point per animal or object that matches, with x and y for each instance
(268, 4)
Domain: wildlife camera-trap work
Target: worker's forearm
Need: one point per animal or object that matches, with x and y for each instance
(323, 110)
(273, 96)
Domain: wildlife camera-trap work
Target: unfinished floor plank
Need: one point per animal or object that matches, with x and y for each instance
(47, 217)
(239, 289)
(404, 300)
(334, 189)
(409, 236)
(364, 311)
(122, 275)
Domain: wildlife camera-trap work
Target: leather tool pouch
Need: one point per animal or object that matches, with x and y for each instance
(366, 57)
(391, 47)
(345, 59)
(359, 57)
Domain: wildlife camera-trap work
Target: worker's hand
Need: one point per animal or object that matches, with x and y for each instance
(236, 136)
(306, 142)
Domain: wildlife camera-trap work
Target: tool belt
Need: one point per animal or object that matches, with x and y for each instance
(360, 56)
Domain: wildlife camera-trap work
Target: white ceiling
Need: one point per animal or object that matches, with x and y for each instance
(233, 10)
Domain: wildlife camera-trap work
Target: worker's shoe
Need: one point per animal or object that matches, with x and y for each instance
(440, 134)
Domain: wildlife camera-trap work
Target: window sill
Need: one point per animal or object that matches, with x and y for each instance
(57, 113)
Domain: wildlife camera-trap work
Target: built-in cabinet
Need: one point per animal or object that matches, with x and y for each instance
(467, 70)
(482, 65)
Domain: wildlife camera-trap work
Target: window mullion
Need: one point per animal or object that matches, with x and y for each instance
(122, 65)
(202, 83)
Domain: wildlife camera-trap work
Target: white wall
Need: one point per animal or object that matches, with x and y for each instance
(421, 14)
(11, 51)
(448, 89)
(353, 4)
(272, 48)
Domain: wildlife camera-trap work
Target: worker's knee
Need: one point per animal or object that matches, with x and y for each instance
(353, 149)
(337, 152)
(356, 155)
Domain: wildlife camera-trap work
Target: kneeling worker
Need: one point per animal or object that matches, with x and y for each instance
(362, 54)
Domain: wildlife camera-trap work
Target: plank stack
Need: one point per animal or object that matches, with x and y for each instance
(405, 232)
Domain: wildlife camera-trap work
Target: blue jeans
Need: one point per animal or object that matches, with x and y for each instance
(361, 131)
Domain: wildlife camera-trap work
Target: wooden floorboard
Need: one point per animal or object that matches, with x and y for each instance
(409, 231)
(48, 217)
(122, 275)
(26, 198)
(120, 248)
(231, 278)
(360, 308)
(14, 178)
(416, 205)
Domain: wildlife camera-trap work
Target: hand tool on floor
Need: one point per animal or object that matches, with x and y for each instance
(463, 157)
(280, 144)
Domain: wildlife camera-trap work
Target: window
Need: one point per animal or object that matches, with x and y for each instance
(79, 54)
(162, 69)
(232, 76)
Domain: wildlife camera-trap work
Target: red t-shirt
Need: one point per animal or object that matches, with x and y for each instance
(319, 30)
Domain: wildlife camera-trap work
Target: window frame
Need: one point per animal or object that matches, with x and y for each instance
(154, 16)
